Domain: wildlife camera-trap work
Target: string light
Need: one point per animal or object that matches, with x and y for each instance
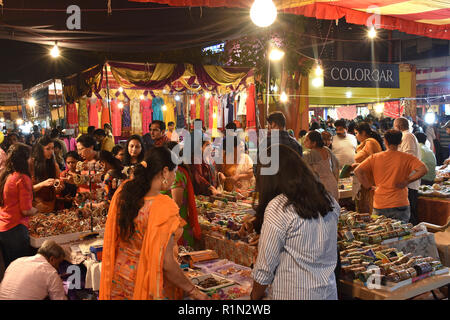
(318, 71)
(207, 95)
(263, 13)
(214, 115)
(54, 52)
(283, 97)
(177, 98)
(430, 117)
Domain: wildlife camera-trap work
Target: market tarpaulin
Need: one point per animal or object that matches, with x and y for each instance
(430, 18)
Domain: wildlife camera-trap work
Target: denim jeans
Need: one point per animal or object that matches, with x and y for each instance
(15, 243)
(399, 213)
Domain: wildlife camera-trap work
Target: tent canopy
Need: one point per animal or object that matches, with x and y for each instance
(429, 18)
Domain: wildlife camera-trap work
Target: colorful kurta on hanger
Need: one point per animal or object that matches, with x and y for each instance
(83, 120)
(94, 106)
(116, 114)
(169, 112)
(146, 110)
(136, 117)
(126, 118)
(157, 104)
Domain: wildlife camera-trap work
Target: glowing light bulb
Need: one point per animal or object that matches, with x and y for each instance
(120, 89)
(142, 97)
(372, 33)
(19, 121)
(207, 95)
(348, 94)
(164, 107)
(32, 102)
(192, 101)
(379, 107)
(177, 98)
(318, 71)
(214, 115)
(430, 117)
(54, 52)
(317, 82)
(283, 97)
(164, 91)
(120, 105)
(276, 54)
(2, 119)
(263, 13)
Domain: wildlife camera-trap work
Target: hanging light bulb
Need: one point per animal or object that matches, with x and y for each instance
(142, 97)
(348, 94)
(120, 105)
(263, 13)
(283, 97)
(164, 91)
(19, 122)
(120, 89)
(192, 101)
(276, 54)
(207, 95)
(317, 82)
(177, 98)
(214, 115)
(379, 107)
(54, 52)
(164, 108)
(318, 71)
(372, 33)
(430, 117)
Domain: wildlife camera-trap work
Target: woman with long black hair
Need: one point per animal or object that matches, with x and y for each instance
(297, 222)
(143, 227)
(44, 173)
(16, 197)
(134, 151)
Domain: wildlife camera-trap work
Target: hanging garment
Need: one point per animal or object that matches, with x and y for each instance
(83, 120)
(242, 108)
(136, 118)
(213, 107)
(193, 111)
(180, 115)
(146, 111)
(94, 106)
(251, 108)
(72, 115)
(126, 119)
(221, 111)
(201, 110)
(157, 104)
(105, 114)
(230, 108)
(116, 115)
(169, 113)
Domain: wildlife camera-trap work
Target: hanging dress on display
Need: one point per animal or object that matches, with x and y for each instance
(230, 108)
(83, 120)
(136, 118)
(201, 109)
(193, 107)
(146, 111)
(94, 106)
(116, 115)
(105, 114)
(251, 108)
(213, 107)
(180, 115)
(157, 104)
(126, 118)
(169, 113)
(220, 111)
(72, 115)
(242, 109)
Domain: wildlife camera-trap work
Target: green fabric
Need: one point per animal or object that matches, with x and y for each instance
(427, 157)
(181, 182)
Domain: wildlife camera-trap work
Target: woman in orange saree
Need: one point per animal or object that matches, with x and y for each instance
(143, 226)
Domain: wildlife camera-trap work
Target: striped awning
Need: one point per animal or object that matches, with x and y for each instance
(429, 18)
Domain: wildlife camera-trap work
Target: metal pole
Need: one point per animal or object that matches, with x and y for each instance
(268, 89)
(107, 97)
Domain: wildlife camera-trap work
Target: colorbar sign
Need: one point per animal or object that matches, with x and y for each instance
(361, 75)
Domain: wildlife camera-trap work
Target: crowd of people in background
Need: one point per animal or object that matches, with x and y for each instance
(152, 208)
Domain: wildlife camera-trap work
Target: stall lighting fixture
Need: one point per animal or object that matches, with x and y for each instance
(207, 95)
(372, 33)
(177, 98)
(274, 88)
(263, 13)
(430, 117)
(317, 82)
(142, 97)
(54, 52)
(348, 94)
(283, 97)
(276, 54)
(32, 102)
(19, 122)
(120, 105)
(2, 119)
(214, 115)
(120, 89)
(192, 101)
(318, 71)
(379, 107)
(164, 107)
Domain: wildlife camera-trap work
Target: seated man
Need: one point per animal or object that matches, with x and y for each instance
(390, 172)
(36, 277)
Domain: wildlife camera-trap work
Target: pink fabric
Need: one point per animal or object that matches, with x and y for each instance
(31, 278)
(116, 115)
(347, 112)
(393, 109)
(17, 197)
(146, 110)
(94, 107)
(251, 109)
(72, 115)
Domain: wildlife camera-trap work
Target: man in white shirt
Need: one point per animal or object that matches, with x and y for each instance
(36, 277)
(344, 144)
(409, 145)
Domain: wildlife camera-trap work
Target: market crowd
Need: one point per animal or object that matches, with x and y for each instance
(151, 200)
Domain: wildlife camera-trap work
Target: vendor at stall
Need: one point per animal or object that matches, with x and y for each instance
(15, 204)
(237, 175)
(45, 175)
(204, 171)
(85, 148)
(70, 189)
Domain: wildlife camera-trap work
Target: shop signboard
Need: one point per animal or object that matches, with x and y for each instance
(361, 75)
(10, 94)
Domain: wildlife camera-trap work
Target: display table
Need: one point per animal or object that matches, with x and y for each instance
(359, 291)
(433, 210)
(423, 245)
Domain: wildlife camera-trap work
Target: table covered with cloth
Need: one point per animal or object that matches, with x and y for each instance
(433, 210)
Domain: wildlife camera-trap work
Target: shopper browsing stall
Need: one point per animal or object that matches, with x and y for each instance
(323, 162)
(157, 133)
(140, 238)
(277, 123)
(16, 204)
(113, 173)
(70, 189)
(297, 221)
(85, 147)
(118, 152)
(134, 151)
(106, 142)
(427, 156)
(390, 173)
(344, 144)
(204, 171)
(45, 174)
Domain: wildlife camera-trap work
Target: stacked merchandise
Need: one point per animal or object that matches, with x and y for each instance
(441, 188)
(367, 258)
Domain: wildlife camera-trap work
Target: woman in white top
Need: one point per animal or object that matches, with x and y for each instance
(297, 221)
(323, 162)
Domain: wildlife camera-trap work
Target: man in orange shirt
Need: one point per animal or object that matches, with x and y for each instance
(390, 173)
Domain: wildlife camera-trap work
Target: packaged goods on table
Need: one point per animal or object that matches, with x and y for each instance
(366, 259)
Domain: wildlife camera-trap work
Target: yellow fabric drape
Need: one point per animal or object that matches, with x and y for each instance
(223, 77)
(82, 84)
(162, 71)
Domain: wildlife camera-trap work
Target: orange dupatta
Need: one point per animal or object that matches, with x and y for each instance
(163, 221)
